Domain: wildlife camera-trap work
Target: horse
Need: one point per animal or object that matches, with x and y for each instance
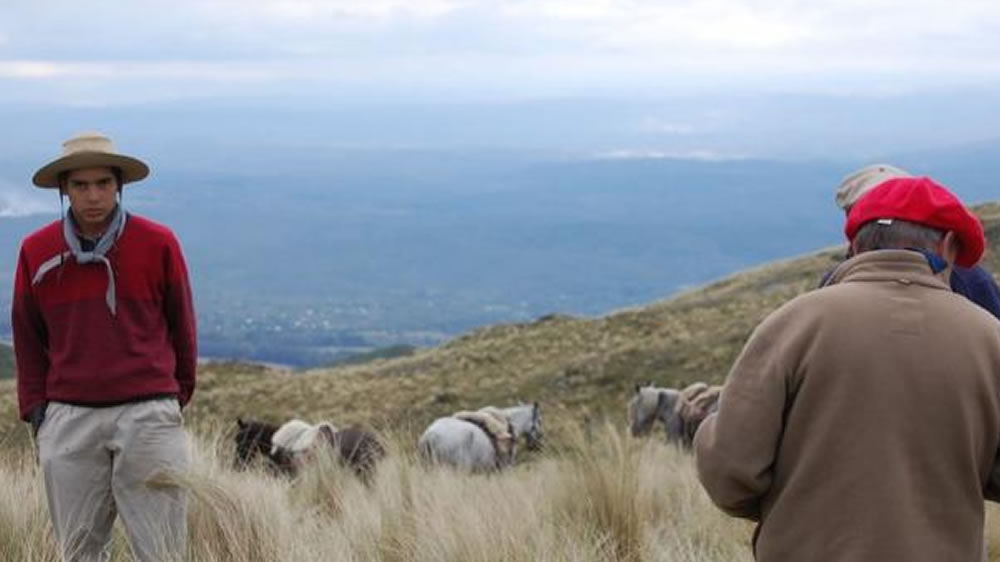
(471, 442)
(650, 403)
(253, 438)
(681, 411)
(359, 449)
(289, 448)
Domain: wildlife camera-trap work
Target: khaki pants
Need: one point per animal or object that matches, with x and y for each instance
(96, 463)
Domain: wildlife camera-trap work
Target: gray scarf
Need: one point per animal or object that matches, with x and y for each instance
(104, 243)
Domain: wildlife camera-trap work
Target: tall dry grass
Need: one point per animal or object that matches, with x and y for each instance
(612, 499)
(603, 498)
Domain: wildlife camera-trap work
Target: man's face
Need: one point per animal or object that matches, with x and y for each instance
(91, 193)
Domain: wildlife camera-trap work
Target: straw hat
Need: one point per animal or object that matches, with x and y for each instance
(89, 150)
(862, 181)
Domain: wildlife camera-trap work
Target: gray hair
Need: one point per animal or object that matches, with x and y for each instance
(897, 235)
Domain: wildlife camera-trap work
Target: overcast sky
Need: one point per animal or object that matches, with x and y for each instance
(114, 51)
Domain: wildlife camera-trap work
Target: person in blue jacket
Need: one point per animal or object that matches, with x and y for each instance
(974, 283)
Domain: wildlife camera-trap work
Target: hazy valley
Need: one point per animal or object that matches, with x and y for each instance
(303, 256)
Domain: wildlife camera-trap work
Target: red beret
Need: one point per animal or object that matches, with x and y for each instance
(922, 201)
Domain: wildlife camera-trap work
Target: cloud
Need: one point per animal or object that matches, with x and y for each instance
(17, 201)
(659, 126)
(513, 48)
(312, 10)
(704, 155)
(746, 23)
(177, 70)
(224, 29)
(644, 24)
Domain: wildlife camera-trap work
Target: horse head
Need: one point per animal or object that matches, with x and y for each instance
(533, 437)
(648, 404)
(526, 420)
(252, 438)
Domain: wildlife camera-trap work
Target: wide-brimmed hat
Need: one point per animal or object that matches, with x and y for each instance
(89, 150)
(922, 201)
(856, 184)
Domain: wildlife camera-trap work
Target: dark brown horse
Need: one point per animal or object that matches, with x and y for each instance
(355, 447)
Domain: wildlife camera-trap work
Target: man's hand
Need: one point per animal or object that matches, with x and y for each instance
(36, 417)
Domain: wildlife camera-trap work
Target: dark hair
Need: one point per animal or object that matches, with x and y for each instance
(897, 235)
(115, 170)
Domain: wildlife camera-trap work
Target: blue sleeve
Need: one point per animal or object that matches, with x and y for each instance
(976, 284)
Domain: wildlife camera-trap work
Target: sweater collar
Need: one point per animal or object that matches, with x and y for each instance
(906, 266)
(95, 254)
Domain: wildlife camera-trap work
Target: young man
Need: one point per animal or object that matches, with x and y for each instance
(861, 422)
(974, 283)
(104, 340)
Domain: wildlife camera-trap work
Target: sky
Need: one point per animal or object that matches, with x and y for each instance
(115, 52)
(207, 83)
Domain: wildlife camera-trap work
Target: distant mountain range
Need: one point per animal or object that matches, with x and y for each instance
(235, 133)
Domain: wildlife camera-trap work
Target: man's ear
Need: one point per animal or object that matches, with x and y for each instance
(949, 247)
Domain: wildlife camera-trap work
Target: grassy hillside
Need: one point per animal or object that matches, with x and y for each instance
(594, 495)
(579, 369)
(6, 361)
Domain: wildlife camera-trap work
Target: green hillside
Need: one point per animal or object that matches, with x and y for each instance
(578, 368)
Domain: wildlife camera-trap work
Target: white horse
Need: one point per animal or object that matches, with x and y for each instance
(466, 445)
(650, 403)
(681, 411)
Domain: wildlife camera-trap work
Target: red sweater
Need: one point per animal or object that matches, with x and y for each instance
(70, 348)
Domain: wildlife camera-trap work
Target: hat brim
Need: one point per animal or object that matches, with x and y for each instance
(972, 243)
(133, 169)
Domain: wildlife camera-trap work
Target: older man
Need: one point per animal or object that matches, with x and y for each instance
(974, 283)
(104, 339)
(861, 422)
